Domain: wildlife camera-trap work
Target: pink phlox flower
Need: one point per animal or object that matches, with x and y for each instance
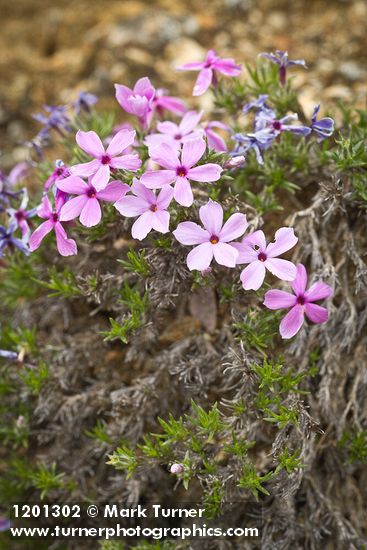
(254, 251)
(85, 205)
(105, 160)
(301, 303)
(213, 239)
(163, 102)
(151, 209)
(65, 246)
(22, 216)
(209, 69)
(215, 141)
(138, 101)
(176, 134)
(179, 168)
(61, 171)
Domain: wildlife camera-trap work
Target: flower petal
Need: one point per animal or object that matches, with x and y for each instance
(114, 191)
(285, 239)
(283, 269)
(126, 162)
(318, 291)
(90, 143)
(257, 238)
(164, 197)
(45, 209)
(292, 322)
(246, 254)
(101, 177)
(142, 226)
(73, 185)
(253, 275)
(200, 257)
(192, 151)
(211, 216)
(160, 221)
(153, 179)
(165, 155)
(300, 282)
(203, 82)
(206, 172)
(72, 208)
(120, 141)
(86, 168)
(234, 227)
(39, 234)
(316, 313)
(182, 192)
(225, 254)
(278, 299)
(91, 213)
(65, 246)
(189, 121)
(131, 206)
(191, 233)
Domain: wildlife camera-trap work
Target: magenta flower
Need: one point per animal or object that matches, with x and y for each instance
(151, 209)
(301, 303)
(180, 170)
(86, 204)
(260, 257)
(208, 71)
(163, 102)
(214, 239)
(105, 160)
(65, 246)
(138, 101)
(176, 134)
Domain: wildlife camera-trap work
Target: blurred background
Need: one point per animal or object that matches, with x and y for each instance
(52, 49)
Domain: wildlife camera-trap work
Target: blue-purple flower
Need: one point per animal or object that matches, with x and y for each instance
(281, 59)
(12, 356)
(56, 119)
(21, 216)
(267, 119)
(84, 102)
(7, 239)
(8, 182)
(324, 127)
(258, 141)
(259, 103)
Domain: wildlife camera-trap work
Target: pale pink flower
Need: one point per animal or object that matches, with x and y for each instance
(138, 101)
(179, 168)
(254, 251)
(212, 240)
(105, 160)
(176, 134)
(151, 209)
(86, 205)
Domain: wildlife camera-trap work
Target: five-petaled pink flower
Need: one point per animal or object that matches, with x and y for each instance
(138, 101)
(260, 257)
(105, 160)
(301, 303)
(213, 239)
(65, 246)
(86, 204)
(176, 134)
(180, 170)
(208, 70)
(150, 208)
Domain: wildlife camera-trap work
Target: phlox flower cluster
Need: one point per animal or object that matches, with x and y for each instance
(184, 155)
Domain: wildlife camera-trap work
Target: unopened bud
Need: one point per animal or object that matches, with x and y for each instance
(176, 469)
